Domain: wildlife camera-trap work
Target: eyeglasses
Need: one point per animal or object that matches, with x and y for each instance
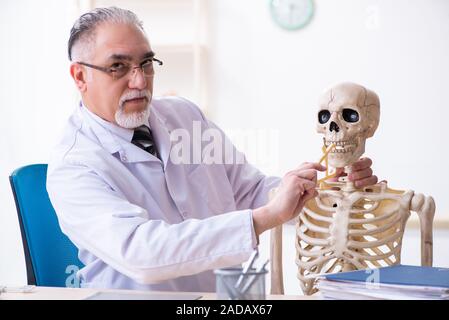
(119, 69)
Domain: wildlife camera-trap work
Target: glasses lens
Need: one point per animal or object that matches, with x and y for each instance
(120, 71)
(148, 68)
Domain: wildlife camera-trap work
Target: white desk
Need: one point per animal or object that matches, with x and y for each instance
(48, 293)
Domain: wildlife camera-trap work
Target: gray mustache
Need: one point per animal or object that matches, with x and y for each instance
(134, 95)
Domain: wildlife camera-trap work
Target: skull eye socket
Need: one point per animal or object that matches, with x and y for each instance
(324, 116)
(350, 115)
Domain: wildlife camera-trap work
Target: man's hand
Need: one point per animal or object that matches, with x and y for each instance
(361, 175)
(295, 189)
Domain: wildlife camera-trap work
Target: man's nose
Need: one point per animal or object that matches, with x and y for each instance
(137, 80)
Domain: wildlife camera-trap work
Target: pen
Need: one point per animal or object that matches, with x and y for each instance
(250, 283)
(247, 268)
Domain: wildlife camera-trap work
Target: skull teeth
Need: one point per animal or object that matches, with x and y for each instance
(342, 150)
(341, 146)
(340, 143)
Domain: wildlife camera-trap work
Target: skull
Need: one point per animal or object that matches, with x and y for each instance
(348, 115)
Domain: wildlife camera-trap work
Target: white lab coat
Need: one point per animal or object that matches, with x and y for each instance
(140, 223)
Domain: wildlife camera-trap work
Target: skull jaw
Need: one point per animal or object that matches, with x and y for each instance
(341, 160)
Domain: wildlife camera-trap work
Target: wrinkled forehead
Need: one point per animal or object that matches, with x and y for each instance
(341, 97)
(120, 39)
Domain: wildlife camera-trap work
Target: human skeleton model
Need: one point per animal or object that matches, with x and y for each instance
(345, 228)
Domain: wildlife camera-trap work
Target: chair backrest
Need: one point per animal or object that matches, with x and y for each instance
(50, 256)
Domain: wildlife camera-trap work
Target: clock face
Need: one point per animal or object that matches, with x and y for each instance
(291, 14)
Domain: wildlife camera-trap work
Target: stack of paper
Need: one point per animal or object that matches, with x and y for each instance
(395, 282)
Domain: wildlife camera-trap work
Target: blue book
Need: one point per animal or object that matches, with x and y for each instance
(402, 275)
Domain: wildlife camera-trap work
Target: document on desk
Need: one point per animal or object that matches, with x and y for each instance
(106, 295)
(393, 282)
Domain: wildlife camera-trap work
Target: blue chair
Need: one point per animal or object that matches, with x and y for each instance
(51, 258)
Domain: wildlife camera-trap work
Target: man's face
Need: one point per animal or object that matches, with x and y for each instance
(124, 101)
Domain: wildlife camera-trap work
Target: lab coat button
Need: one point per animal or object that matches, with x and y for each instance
(124, 158)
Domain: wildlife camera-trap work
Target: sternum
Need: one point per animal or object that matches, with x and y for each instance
(339, 228)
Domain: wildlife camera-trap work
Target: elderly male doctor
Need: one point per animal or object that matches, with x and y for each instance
(140, 219)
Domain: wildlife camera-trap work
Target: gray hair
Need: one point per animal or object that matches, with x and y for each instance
(83, 29)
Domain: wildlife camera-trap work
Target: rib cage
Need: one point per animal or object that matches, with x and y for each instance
(340, 231)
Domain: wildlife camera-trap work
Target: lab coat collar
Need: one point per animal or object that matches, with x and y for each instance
(116, 139)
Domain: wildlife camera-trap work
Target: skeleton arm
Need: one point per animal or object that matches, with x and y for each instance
(277, 282)
(425, 208)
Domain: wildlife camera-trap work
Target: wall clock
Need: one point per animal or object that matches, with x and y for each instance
(291, 14)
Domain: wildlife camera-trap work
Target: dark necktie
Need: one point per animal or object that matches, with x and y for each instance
(143, 139)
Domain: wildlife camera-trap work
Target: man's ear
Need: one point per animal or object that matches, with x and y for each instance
(79, 76)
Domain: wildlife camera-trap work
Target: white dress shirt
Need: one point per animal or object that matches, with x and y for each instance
(149, 224)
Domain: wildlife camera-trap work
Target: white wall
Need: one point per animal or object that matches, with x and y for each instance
(36, 97)
(264, 77)
(260, 77)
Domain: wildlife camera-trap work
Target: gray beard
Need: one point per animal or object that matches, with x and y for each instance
(132, 120)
